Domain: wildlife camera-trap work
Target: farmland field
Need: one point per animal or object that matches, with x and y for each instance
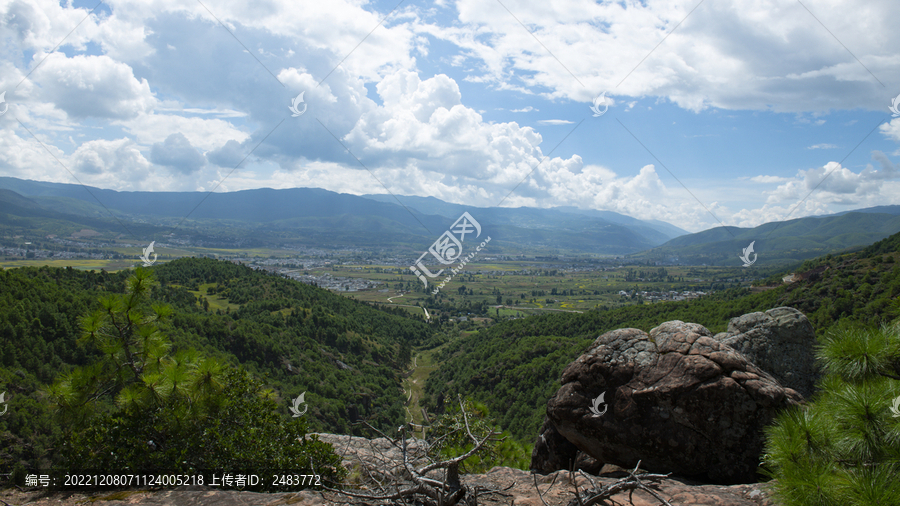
(495, 288)
(522, 288)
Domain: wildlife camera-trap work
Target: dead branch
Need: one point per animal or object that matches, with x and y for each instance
(630, 483)
(425, 489)
(478, 490)
(536, 487)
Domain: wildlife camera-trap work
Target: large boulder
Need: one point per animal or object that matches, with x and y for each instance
(553, 452)
(781, 342)
(677, 400)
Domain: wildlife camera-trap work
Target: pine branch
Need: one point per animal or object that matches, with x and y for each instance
(888, 375)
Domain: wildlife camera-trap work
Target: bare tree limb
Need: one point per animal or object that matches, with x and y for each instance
(575, 484)
(540, 495)
(582, 473)
(424, 489)
(630, 483)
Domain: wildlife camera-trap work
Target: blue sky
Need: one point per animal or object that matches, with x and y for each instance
(727, 112)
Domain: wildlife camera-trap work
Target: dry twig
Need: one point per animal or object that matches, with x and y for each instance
(423, 488)
(540, 495)
(630, 483)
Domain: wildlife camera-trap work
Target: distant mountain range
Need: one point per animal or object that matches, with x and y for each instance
(315, 217)
(312, 216)
(781, 241)
(537, 218)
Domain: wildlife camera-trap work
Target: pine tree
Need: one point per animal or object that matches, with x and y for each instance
(843, 448)
(137, 367)
(146, 406)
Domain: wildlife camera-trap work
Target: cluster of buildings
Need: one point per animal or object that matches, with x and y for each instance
(336, 283)
(665, 296)
(44, 253)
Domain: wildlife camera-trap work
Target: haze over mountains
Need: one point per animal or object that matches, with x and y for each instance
(315, 217)
(342, 219)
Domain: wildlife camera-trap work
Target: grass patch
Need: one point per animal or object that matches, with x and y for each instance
(425, 363)
(216, 302)
(83, 264)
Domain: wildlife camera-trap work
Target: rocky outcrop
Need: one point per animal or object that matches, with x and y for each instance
(516, 486)
(781, 342)
(555, 489)
(676, 399)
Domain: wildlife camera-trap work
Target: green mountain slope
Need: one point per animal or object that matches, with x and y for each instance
(779, 242)
(271, 218)
(347, 356)
(514, 366)
(39, 216)
(315, 217)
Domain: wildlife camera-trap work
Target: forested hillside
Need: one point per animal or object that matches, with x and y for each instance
(782, 243)
(514, 367)
(347, 356)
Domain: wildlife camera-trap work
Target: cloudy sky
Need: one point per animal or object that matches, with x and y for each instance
(734, 112)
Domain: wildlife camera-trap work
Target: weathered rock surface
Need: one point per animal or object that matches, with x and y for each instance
(517, 486)
(677, 400)
(379, 457)
(781, 342)
(202, 496)
(555, 488)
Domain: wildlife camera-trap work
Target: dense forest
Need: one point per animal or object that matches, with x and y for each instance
(514, 366)
(347, 356)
